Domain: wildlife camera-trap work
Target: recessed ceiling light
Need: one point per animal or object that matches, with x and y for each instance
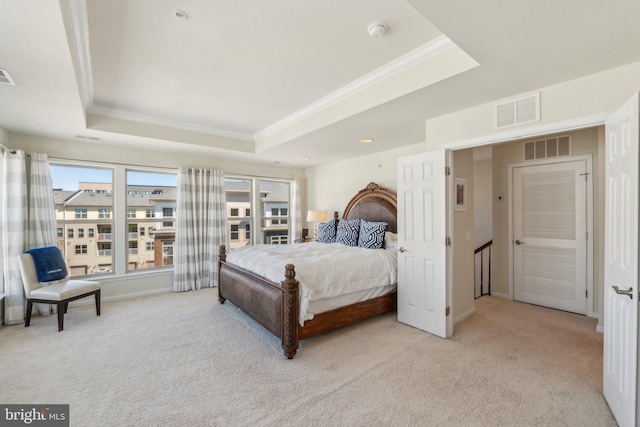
(181, 14)
(304, 159)
(366, 140)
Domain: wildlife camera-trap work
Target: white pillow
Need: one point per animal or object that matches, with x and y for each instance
(390, 241)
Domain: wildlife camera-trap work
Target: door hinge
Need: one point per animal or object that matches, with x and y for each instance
(586, 294)
(447, 241)
(447, 311)
(447, 170)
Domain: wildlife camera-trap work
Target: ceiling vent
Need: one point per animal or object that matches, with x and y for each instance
(525, 109)
(6, 78)
(547, 148)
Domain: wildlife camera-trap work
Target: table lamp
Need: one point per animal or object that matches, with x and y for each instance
(316, 217)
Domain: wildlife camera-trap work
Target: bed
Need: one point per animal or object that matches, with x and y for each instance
(275, 304)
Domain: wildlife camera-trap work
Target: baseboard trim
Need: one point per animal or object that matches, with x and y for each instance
(90, 301)
(501, 295)
(464, 315)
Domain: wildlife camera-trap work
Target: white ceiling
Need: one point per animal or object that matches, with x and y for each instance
(303, 79)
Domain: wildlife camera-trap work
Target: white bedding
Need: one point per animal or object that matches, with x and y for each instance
(324, 270)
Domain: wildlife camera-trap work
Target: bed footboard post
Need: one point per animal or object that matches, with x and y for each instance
(290, 312)
(222, 257)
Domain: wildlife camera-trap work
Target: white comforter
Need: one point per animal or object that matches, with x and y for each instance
(324, 270)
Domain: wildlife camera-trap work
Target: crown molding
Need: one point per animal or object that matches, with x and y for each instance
(423, 53)
(80, 29)
(120, 114)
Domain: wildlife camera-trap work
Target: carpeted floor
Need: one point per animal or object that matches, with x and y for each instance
(185, 360)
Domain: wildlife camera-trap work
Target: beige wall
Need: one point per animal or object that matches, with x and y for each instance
(463, 242)
(135, 283)
(585, 141)
(331, 186)
(595, 94)
(482, 201)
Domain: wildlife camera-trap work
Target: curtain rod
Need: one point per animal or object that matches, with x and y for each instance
(11, 150)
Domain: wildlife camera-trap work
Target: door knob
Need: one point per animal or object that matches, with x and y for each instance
(518, 242)
(401, 249)
(628, 292)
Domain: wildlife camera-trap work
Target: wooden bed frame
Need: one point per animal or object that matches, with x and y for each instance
(275, 305)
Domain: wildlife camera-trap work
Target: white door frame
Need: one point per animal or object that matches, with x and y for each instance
(589, 167)
(510, 136)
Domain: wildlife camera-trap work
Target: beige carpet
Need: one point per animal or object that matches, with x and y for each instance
(185, 360)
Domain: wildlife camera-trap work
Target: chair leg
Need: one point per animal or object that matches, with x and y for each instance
(66, 307)
(61, 310)
(98, 302)
(27, 321)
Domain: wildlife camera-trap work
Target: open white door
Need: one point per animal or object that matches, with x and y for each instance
(422, 257)
(621, 264)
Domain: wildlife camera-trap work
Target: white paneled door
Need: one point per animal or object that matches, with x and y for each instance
(620, 368)
(550, 234)
(422, 256)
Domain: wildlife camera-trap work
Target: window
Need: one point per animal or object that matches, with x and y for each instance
(133, 231)
(82, 213)
(274, 196)
(272, 207)
(155, 195)
(93, 209)
(278, 212)
(278, 240)
(167, 252)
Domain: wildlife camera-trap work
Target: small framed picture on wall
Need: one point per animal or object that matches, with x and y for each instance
(460, 194)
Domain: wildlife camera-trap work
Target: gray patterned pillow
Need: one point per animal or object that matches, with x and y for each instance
(371, 234)
(327, 231)
(348, 232)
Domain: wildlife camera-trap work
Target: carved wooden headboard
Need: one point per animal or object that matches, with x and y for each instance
(374, 203)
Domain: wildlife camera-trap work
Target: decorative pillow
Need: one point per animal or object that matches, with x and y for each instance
(327, 231)
(49, 263)
(390, 241)
(371, 234)
(348, 231)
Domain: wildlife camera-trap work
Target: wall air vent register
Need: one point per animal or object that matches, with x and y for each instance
(559, 146)
(525, 109)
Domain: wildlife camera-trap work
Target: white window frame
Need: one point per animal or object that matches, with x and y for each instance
(119, 226)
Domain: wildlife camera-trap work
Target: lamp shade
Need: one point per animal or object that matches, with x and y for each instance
(316, 216)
